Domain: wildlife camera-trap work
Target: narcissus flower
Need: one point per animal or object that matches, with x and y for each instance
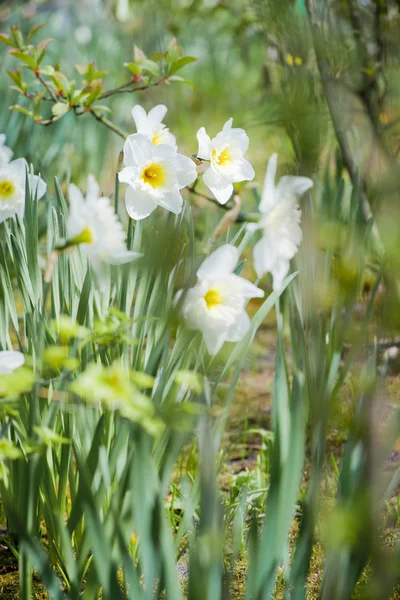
(227, 163)
(155, 175)
(10, 360)
(150, 124)
(216, 304)
(5, 152)
(280, 222)
(93, 224)
(12, 188)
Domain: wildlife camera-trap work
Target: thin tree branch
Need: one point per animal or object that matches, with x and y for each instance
(126, 89)
(108, 124)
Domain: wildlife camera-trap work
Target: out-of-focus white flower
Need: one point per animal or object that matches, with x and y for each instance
(216, 304)
(83, 35)
(10, 360)
(227, 163)
(155, 175)
(93, 224)
(12, 188)
(150, 124)
(5, 152)
(280, 221)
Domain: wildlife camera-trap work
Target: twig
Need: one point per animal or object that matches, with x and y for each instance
(227, 220)
(125, 89)
(44, 83)
(108, 124)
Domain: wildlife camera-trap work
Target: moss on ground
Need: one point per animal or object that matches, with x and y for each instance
(9, 588)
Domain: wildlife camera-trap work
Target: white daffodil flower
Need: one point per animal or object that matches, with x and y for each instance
(216, 304)
(5, 152)
(12, 188)
(155, 175)
(150, 124)
(93, 224)
(227, 163)
(9, 361)
(280, 222)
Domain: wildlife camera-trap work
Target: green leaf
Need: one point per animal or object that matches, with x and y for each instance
(24, 111)
(133, 67)
(47, 70)
(174, 51)
(138, 54)
(34, 30)
(179, 79)
(17, 36)
(6, 39)
(25, 58)
(150, 66)
(61, 81)
(60, 109)
(180, 63)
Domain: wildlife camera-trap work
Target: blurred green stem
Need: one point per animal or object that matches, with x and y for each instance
(341, 137)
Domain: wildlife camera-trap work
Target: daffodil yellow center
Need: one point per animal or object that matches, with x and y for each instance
(212, 298)
(156, 139)
(6, 189)
(221, 158)
(84, 237)
(154, 175)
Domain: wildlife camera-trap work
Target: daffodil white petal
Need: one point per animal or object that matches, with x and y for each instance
(156, 115)
(220, 262)
(238, 330)
(214, 340)
(172, 201)
(247, 289)
(187, 172)
(227, 126)
(6, 153)
(218, 186)
(295, 186)
(37, 185)
(204, 140)
(262, 258)
(10, 360)
(93, 189)
(138, 204)
(279, 272)
(75, 195)
(139, 116)
(268, 194)
(137, 149)
(244, 171)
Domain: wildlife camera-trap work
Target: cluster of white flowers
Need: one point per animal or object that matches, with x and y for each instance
(155, 174)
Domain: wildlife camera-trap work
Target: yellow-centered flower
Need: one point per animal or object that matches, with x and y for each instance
(227, 163)
(6, 189)
(216, 304)
(154, 175)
